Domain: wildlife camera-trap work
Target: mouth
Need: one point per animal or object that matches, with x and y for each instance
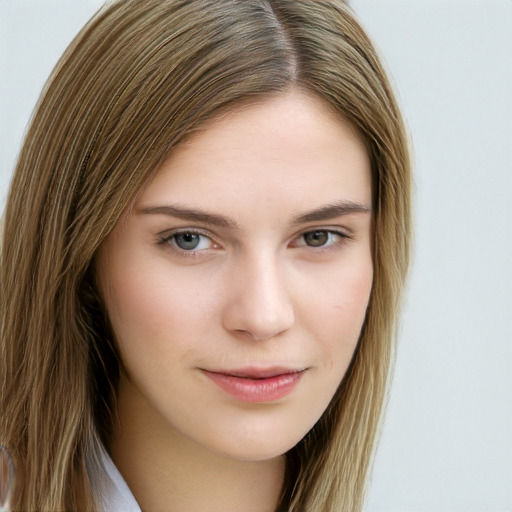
(257, 385)
(254, 373)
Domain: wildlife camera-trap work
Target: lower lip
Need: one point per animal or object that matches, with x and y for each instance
(256, 390)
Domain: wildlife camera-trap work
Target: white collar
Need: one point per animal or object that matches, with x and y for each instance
(113, 493)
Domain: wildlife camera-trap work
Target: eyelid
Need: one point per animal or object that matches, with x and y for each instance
(169, 233)
(338, 230)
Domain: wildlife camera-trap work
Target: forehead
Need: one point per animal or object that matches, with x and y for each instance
(290, 148)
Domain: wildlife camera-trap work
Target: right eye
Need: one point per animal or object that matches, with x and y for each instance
(189, 241)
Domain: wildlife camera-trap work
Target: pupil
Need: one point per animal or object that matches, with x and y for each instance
(187, 241)
(316, 238)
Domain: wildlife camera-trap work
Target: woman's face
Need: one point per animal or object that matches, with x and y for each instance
(238, 283)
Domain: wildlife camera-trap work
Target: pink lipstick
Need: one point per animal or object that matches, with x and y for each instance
(256, 385)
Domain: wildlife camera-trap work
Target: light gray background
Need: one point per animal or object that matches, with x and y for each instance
(447, 439)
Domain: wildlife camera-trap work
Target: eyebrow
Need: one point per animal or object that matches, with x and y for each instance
(329, 211)
(193, 215)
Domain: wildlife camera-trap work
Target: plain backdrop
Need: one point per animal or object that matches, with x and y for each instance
(447, 438)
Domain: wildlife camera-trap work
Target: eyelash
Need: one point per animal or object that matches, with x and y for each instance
(169, 241)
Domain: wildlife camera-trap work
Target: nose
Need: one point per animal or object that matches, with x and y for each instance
(259, 306)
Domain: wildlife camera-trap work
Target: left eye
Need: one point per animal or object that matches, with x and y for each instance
(190, 241)
(319, 238)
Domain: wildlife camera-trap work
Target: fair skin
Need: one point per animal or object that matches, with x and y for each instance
(237, 286)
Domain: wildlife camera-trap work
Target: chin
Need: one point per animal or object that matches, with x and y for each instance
(256, 449)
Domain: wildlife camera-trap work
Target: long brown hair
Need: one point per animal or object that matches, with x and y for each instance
(138, 78)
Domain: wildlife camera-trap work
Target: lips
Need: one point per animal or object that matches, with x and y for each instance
(257, 384)
(259, 373)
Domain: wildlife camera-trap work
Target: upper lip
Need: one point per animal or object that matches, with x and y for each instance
(258, 372)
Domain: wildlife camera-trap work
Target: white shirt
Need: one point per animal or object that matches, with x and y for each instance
(113, 493)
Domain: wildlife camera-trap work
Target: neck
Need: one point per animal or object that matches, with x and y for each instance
(167, 471)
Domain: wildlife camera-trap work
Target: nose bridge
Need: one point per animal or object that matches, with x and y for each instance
(260, 305)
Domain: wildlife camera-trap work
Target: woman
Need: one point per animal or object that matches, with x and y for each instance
(204, 248)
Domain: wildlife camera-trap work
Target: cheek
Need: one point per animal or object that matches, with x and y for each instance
(156, 312)
(340, 307)
(338, 316)
(349, 300)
